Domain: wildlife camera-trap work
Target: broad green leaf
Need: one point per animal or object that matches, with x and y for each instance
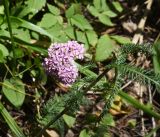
(105, 20)
(69, 30)
(30, 26)
(35, 5)
(81, 22)
(69, 120)
(48, 20)
(104, 48)
(59, 19)
(121, 39)
(70, 11)
(97, 4)
(104, 5)
(110, 13)
(56, 31)
(93, 10)
(54, 10)
(81, 37)
(117, 6)
(63, 38)
(14, 91)
(32, 6)
(92, 37)
(84, 133)
(4, 50)
(21, 32)
(11, 122)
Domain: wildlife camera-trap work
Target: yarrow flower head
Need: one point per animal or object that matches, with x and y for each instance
(60, 61)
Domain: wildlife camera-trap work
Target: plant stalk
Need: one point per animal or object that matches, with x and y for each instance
(67, 108)
(6, 7)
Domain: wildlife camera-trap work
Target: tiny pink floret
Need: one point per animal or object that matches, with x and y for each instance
(60, 61)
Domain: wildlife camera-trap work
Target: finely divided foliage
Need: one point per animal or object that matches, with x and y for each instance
(82, 51)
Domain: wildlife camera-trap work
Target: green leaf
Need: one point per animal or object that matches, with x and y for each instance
(70, 11)
(110, 13)
(93, 10)
(84, 133)
(28, 25)
(19, 53)
(69, 120)
(92, 37)
(48, 20)
(32, 6)
(138, 105)
(117, 6)
(1, 9)
(105, 20)
(59, 19)
(1, 57)
(1, 19)
(11, 122)
(69, 30)
(121, 39)
(56, 31)
(124, 95)
(54, 10)
(4, 50)
(108, 120)
(104, 5)
(5, 35)
(132, 123)
(14, 91)
(81, 37)
(97, 4)
(81, 22)
(104, 48)
(21, 32)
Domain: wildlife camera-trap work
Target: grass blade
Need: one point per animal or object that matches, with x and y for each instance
(138, 105)
(10, 121)
(31, 26)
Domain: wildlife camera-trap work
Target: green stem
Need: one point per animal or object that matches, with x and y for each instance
(67, 108)
(138, 105)
(5, 2)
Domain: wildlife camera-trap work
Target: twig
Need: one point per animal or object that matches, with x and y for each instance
(150, 101)
(141, 112)
(127, 84)
(138, 37)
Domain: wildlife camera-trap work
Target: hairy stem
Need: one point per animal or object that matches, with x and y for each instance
(67, 108)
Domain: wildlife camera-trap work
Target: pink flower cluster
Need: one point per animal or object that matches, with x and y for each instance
(60, 61)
